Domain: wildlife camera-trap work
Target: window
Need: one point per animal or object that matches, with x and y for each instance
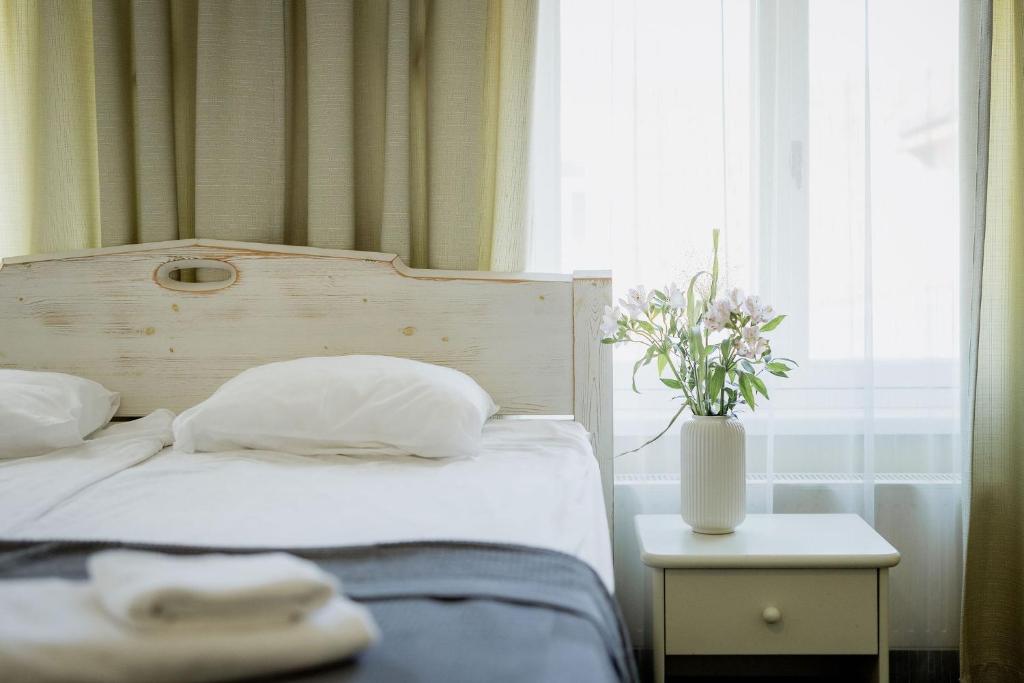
(821, 136)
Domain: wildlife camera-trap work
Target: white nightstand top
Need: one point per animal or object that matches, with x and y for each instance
(765, 541)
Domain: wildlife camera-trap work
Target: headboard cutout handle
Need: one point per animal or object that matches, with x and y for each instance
(200, 275)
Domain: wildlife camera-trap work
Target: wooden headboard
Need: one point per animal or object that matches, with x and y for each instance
(118, 315)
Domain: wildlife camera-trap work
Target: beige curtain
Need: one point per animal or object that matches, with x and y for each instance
(49, 195)
(992, 647)
(383, 125)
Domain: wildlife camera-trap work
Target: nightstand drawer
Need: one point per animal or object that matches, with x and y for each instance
(730, 611)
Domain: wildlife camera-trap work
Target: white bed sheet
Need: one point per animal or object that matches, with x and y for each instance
(34, 486)
(536, 482)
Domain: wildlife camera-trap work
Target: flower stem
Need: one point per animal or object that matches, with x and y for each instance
(660, 434)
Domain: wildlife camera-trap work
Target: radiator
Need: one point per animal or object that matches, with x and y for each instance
(918, 514)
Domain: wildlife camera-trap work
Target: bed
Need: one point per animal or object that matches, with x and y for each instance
(493, 568)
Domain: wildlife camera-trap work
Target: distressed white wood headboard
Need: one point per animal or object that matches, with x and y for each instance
(116, 315)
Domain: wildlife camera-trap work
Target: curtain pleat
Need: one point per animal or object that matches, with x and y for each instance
(297, 172)
(331, 96)
(419, 209)
(240, 131)
(992, 644)
(455, 127)
(47, 128)
(115, 118)
(384, 125)
(396, 221)
(370, 65)
(184, 32)
(509, 108)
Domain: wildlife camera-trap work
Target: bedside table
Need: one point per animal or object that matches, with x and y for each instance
(780, 586)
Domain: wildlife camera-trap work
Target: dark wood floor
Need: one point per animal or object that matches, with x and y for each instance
(931, 666)
(905, 666)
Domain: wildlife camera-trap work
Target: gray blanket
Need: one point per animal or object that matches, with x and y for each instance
(448, 611)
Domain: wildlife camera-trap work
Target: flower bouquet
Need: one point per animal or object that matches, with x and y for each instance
(710, 347)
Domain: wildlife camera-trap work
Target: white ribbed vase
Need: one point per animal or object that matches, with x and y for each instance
(713, 474)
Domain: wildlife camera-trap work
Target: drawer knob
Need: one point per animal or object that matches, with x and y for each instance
(771, 615)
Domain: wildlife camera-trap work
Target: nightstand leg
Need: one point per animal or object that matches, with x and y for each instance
(658, 622)
(882, 667)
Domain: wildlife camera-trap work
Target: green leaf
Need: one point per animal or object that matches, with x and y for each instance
(640, 363)
(730, 399)
(777, 367)
(773, 323)
(636, 368)
(726, 346)
(691, 302)
(759, 385)
(716, 382)
(671, 327)
(671, 383)
(747, 366)
(662, 362)
(696, 342)
(714, 264)
(747, 390)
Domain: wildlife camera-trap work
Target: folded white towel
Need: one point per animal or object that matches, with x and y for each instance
(56, 630)
(153, 589)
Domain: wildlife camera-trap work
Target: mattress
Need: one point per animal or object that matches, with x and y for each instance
(535, 483)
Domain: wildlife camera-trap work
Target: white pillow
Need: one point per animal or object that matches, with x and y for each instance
(43, 411)
(342, 404)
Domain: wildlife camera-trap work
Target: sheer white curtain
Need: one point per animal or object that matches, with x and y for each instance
(821, 137)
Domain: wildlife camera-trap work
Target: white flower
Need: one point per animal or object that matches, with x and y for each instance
(676, 298)
(758, 312)
(736, 297)
(753, 350)
(753, 345)
(751, 305)
(636, 302)
(751, 334)
(718, 315)
(610, 321)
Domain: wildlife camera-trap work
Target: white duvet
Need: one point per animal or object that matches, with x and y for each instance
(535, 483)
